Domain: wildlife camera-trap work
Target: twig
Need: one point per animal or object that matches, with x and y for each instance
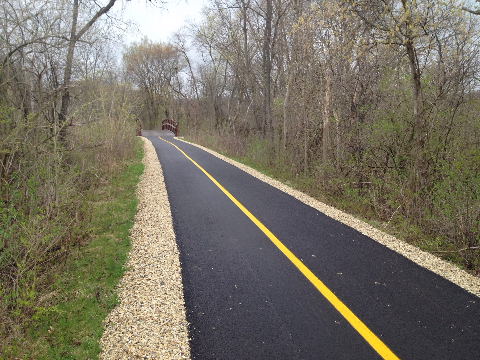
(391, 217)
(459, 250)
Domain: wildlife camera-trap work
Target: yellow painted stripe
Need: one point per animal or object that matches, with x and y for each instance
(373, 340)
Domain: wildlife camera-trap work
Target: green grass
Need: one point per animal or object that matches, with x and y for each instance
(70, 327)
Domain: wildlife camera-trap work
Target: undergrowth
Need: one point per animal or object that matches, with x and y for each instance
(75, 294)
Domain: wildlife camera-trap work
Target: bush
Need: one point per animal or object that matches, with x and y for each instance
(456, 205)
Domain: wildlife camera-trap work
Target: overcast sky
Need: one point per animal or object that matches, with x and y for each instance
(159, 23)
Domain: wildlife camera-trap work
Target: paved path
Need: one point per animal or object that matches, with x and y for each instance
(246, 300)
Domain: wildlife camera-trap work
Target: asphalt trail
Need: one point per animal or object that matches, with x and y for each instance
(245, 300)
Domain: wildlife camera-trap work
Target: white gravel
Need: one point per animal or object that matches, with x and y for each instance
(150, 321)
(422, 258)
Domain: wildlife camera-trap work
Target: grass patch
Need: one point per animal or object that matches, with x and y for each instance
(68, 325)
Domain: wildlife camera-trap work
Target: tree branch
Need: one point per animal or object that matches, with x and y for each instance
(99, 13)
(474, 12)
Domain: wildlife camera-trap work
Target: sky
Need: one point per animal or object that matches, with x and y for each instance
(159, 23)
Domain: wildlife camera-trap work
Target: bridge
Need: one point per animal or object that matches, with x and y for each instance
(170, 125)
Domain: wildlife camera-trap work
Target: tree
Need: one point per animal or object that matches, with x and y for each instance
(75, 36)
(154, 69)
(420, 28)
(267, 69)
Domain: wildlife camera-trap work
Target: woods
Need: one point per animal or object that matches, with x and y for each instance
(371, 102)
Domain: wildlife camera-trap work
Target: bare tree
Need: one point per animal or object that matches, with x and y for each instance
(75, 36)
(153, 68)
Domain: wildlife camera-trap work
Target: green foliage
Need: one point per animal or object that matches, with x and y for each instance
(46, 201)
(68, 323)
(456, 201)
(258, 150)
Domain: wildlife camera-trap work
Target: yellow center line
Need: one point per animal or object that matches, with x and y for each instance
(372, 339)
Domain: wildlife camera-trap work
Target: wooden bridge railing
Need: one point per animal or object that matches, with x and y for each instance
(171, 125)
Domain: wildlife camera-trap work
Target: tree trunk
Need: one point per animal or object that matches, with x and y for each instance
(285, 109)
(415, 71)
(418, 148)
(416, 83)
(267, 71)
(67, 75)
(327, 117)
(338, 142)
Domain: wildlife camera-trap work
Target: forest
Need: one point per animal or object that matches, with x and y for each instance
(372, 106)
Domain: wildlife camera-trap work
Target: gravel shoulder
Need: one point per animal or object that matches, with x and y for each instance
(149, 321)
(422, 258)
